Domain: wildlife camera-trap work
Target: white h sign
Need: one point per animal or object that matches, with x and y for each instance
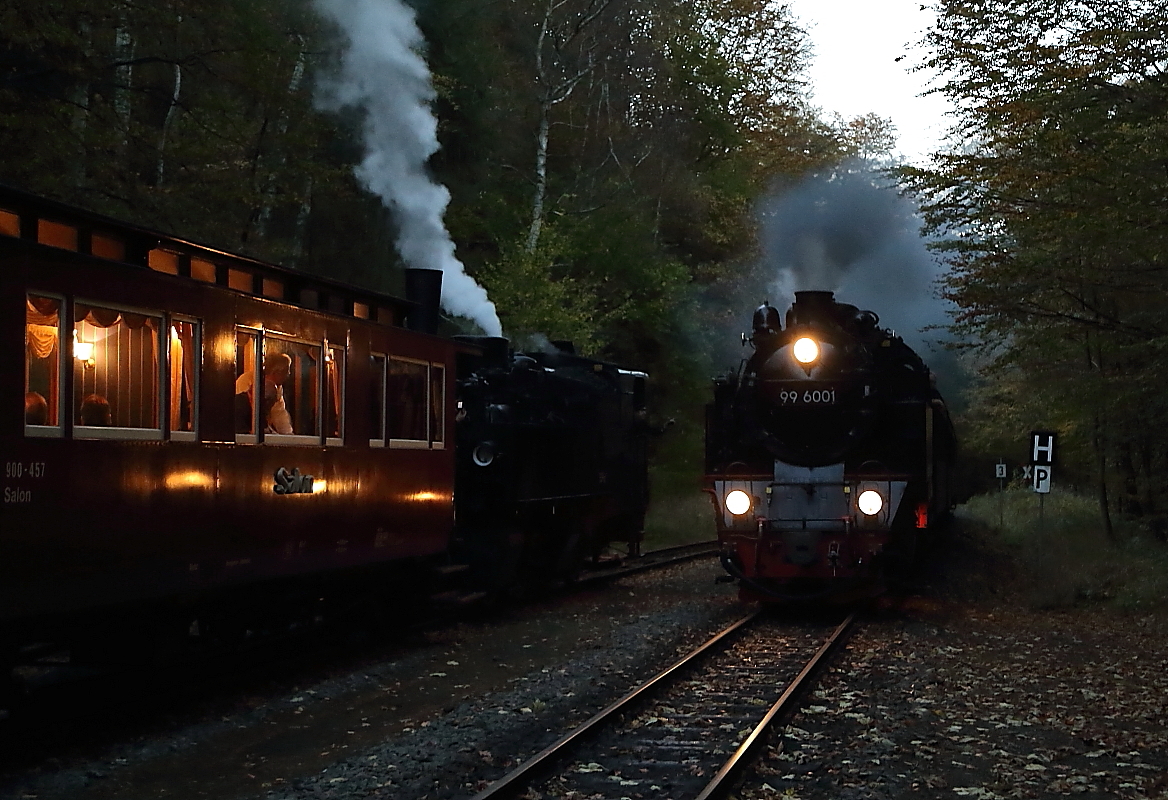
(1042, 447)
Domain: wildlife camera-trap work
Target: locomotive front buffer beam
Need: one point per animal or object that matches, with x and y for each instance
(807, 518)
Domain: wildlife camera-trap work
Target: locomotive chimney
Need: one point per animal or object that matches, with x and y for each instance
(812, 306)
(424, 290)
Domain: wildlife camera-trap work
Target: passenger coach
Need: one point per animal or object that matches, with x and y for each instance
(177, 422)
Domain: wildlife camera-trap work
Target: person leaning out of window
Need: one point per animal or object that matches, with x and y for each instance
(274, 412)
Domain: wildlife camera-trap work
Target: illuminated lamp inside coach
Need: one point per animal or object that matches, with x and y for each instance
(83, 351)
(805, 350)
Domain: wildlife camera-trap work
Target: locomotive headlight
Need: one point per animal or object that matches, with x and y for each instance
(737, 502)
(870, 502)
(483, 454)
(805, 350)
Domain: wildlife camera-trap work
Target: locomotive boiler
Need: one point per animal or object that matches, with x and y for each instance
(828, 454)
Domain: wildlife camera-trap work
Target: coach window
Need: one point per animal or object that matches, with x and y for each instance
(290, 410)
(334, 400)
(246, 346)
(57, 234)
(437, 405)
(377, 400)
(106, 246)
(184, 376)
(42, 372)
(163, 261)
(202, 270)
(272, 288)
(240, 280)
(407, 385)
(9, 223)
(115, 373)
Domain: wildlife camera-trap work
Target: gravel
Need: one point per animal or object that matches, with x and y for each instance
(440, 720)
(955, 691)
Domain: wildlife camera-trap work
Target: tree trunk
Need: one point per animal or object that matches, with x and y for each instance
(268, 192)
(1101, 455)
(124, 70)
(299, 243)
(556, 89)
(541, 150)
(79, 124)
(171, 110)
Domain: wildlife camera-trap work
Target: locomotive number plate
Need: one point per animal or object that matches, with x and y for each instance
(807, 397)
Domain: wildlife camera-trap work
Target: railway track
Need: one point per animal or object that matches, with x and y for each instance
(688, 731)
(654, 559)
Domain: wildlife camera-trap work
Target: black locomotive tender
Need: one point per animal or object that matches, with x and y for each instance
(827, 454)
(205, 433)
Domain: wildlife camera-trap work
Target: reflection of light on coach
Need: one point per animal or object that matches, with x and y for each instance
(319, 486)
(425, 497)
(189, 479)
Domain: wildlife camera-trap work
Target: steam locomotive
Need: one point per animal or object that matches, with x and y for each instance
(828, 454)
(208, 440)
(552, 462)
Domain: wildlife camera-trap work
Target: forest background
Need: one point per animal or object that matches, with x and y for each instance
(605, 158)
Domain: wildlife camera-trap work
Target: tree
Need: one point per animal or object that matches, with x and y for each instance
(1055, 222)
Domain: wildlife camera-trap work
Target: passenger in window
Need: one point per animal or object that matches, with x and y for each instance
(95, 411)
(36, 409)
(277, 368)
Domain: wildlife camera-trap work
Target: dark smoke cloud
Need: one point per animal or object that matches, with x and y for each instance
(850, 232)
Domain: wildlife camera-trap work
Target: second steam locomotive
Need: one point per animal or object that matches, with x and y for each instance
(827, 454)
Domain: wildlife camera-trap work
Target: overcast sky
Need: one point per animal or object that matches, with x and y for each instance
(854, 70)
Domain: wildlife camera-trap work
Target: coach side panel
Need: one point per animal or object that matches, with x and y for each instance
(143, 478)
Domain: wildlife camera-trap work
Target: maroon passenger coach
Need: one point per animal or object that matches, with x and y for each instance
(196, 422)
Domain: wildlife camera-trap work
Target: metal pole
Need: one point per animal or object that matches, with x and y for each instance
(1001, 502)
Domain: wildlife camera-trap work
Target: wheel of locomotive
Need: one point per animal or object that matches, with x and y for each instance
(577, 545)
(496, 554)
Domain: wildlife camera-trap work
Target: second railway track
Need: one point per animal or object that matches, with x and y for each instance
(686, 732)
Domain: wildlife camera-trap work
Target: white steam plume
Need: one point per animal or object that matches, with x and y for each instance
(383, 73)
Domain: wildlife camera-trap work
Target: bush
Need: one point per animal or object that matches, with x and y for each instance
(679, 511)
(1064, 554)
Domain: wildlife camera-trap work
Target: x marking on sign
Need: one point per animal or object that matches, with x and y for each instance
(1027, 473)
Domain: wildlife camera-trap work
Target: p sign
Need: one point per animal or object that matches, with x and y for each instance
(1042, 479)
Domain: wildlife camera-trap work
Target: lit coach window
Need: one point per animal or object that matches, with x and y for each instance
(42, 373)
(116, 370)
